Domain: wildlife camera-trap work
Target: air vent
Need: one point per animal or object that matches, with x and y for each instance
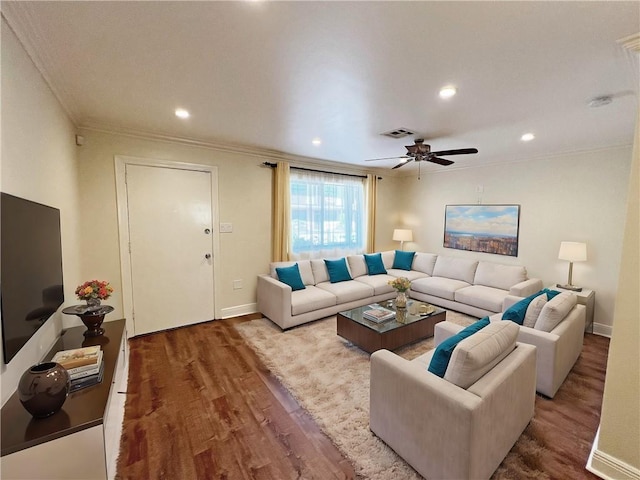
(398, 133)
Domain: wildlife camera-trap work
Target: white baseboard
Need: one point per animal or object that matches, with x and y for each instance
(609, 467)
(239, 310)
(601, 329)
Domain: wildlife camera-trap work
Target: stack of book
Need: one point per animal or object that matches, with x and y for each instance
(378, 314)
(85, 366)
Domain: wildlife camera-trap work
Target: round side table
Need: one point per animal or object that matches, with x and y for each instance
(92, 317)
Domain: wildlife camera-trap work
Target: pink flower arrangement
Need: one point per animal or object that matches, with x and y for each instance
(94, 289)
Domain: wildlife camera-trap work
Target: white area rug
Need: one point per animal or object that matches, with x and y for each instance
(330, 379)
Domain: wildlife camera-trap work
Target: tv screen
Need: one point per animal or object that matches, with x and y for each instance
(31, 287)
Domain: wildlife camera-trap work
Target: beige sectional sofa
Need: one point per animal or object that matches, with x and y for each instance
(474, 287)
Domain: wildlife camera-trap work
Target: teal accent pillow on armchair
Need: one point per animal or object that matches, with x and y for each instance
(442, 355)
(338, 271)
(291, 276)
(375, 265)
(518, 310)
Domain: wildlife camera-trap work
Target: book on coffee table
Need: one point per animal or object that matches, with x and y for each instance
(378, 314)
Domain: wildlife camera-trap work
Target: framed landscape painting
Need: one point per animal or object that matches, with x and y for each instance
(482, 228)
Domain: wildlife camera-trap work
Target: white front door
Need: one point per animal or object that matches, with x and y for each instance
(170, 235)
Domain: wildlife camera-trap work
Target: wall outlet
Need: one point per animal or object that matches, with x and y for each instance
(226, 227)
(237, 284)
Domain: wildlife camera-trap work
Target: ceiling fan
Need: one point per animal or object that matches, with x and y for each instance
(420, 151)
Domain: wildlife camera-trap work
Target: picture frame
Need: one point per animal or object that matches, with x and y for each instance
(483, 228)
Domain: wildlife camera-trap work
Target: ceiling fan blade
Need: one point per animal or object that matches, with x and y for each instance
(460, 151)
(439, 161)
(387, 158)
(402, 164)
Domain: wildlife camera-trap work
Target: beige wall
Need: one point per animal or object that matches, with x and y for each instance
(619, 437)
(576, 197)
(244, 201)
(39, 164)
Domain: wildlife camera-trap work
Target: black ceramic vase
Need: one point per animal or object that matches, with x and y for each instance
(43, 389)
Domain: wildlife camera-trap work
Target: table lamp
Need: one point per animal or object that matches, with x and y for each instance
(401, 235)
(573, 252)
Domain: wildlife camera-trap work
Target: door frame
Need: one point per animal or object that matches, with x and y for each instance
(122, 207)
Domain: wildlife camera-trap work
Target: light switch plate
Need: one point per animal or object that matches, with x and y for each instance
(226, 227)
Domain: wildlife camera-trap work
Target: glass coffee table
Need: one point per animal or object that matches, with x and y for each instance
(404, 328)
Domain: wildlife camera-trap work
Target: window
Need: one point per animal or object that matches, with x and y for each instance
(328, 214)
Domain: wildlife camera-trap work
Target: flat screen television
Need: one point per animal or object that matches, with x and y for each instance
(31, 287)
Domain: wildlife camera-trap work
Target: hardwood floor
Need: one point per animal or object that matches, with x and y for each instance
(201, 405)
(246, 425)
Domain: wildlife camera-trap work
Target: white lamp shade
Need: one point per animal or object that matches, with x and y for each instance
(573, 251)
(400, 235)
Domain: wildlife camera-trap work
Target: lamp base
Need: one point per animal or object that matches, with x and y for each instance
(573, 288)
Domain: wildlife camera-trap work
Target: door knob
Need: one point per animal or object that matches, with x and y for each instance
(207, 256)
(207, 231)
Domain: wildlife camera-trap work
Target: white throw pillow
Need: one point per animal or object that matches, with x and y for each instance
(555, 310)
(533, 310)
(476, 355)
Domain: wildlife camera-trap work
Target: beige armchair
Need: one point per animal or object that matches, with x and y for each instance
(557, 349)
(442, 429)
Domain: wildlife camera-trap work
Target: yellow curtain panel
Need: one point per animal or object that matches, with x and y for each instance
(281, 228)
(371, 193)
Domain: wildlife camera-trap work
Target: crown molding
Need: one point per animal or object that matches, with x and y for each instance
(260, 153)
(45, 59)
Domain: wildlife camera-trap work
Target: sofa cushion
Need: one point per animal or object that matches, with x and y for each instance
(518, 310)
(357, 265)
(303, 265)
(424, 262)
(499, 276)
(379, 283)
(290, 276)
(338, 271)
(555, 310)
(310, 299)
(403, 260)
(374, 264)
(438, 286)
(455, 268)
(476, 355)
(387, 258)
(410, 274)
(480, 296)
(348, 291)
(533, 311)
(442, 354)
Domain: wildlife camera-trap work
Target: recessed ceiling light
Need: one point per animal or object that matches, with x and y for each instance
(317, 142)
(182, 113)
(527, 137)
(448, 91)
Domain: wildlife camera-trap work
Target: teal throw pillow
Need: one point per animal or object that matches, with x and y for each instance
(375, 265)
(338, 271)
(403, 260)
(291, 276)
(442, 355)
(518, 310)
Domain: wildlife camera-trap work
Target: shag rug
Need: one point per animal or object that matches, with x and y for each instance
(329, 377)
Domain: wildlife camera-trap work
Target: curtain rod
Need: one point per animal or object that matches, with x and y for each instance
(273, 165)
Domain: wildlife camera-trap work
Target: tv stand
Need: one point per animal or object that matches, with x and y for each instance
(81, 440)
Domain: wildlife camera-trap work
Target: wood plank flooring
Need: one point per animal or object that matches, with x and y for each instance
(200, 405)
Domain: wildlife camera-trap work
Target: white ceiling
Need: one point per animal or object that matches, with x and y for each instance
(276, 75)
